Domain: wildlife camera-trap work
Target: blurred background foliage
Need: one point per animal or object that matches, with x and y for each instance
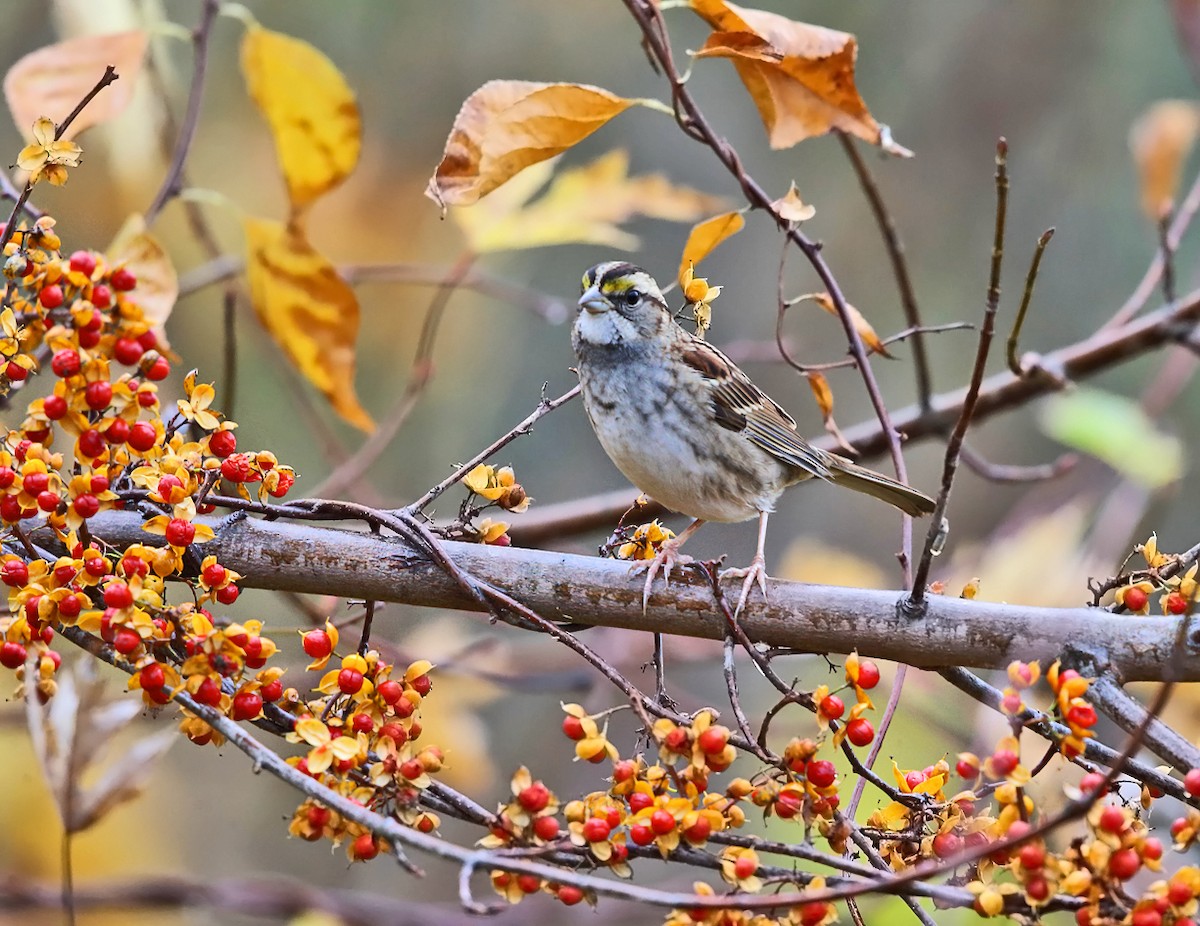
(1062, 81)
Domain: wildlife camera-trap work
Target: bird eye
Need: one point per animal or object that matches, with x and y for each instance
(633, 298)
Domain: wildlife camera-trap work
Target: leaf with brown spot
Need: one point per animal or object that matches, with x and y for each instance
(52, 80)
(157, 283)
(310, 311)
(792, 208)
(861, 325)
(704, 238)
(800, 76)
(507, 125)
(1161, 140)
(582, 205)
(310, 108)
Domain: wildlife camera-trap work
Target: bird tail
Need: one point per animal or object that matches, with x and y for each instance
(877, 485)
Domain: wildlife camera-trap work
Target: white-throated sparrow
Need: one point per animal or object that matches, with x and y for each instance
(687, 427)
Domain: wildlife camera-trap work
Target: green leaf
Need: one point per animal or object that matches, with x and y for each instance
(1114, 429)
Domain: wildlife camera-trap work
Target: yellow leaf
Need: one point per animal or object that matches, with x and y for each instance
(308, 309)
(800, 76)
(821, 392)
(1161, 139)
(704, 237)
(792, 208)
(311, 110)
(52, 80)
(506, 125)
(861, 325)
(583, 205)
(157, 283)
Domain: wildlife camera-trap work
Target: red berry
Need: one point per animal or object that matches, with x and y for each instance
(821, 773)
(247, 705)
(1135, 599)
(596, 829)
(677, 741)
(699, 831)
(101, 296)
(1083, 715)
(317, 644)
(1091, 782)
(91, 443)
(573, 727)
(179, 532)
(222, 443)
(118, 595)
(364, 848)
(122, 279)
(98, 395)
(422, 685)
(713, 740)
(350, 681)
(14, 573)
(55, 407)
(229, 594)
(12, 655)
(868, 674)
(88, 339)
(1032, 856)
(272, 691)
(130, 566)
(148, 339)
(118, 432)
(641, 835)
(662, 822)
(1178, 893)
(947, 844)
(1004, 761)
(83, 262)
(859, 731)
(1176, 603)
(95, 566)
(569, 894)
(640, 800)
(529, 883)
(813, 913)
(127, 351)
(208, 692)
(16, 372)
(158, 370)
(966, 769)
(126, 641)
(1124, 864)
(51, 297)
(535, 797)
(98, 483)
(65, 362)
(7, 476)
(1191, 782)
(787, 805)
(391, 691)
(832, 707)
(1152, 849)
(142, 436)
(1112, 819)
(744, 867)
(86, 505)
(70, 607)
(152, 676)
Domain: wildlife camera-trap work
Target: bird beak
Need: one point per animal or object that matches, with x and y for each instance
(594, 301)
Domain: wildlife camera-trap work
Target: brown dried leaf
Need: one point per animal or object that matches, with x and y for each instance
(1161, 140)
(69, 733)
(821, 392)
(861, 325)
(308, 309)
(704, 238)
(583, 205)
(506, 125)
(157, 283)
(792, 208)
(310, 108)
(800, 76)
(52, 80)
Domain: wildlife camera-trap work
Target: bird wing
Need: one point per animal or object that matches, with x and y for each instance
(739, 405)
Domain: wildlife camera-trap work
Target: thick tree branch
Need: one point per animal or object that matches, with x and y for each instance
(810, 618)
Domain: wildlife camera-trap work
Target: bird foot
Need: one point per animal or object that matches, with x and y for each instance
(665, 560)
(754, 574)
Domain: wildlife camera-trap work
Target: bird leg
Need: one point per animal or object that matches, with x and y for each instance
(756, 572)
(668, 556)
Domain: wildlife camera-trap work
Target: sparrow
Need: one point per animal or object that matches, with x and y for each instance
(687, 426)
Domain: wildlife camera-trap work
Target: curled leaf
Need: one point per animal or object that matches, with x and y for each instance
(52, 80)
(861, 325)
(800, 76)
(308, 309)
(1161, 140)
(157, 283)
(310, 108)
(506, 125)
(792, 208)
(704, 238)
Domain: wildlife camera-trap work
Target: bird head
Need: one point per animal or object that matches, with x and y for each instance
(620, 303)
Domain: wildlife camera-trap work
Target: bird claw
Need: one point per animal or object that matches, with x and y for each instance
(668, 557)
(754, 574)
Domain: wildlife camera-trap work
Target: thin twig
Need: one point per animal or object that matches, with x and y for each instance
(1014, 362)
(1008, 473)
(1167, 252)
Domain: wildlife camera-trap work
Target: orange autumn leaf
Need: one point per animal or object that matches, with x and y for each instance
(308, 309)
(1161, 140)
(157, 283)
(52, 80)
(861, 325)
(821, 392)
(310, 108)
(800, 76)
(704, 237)
(582, 205)
(792, 208)
(507, 125)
